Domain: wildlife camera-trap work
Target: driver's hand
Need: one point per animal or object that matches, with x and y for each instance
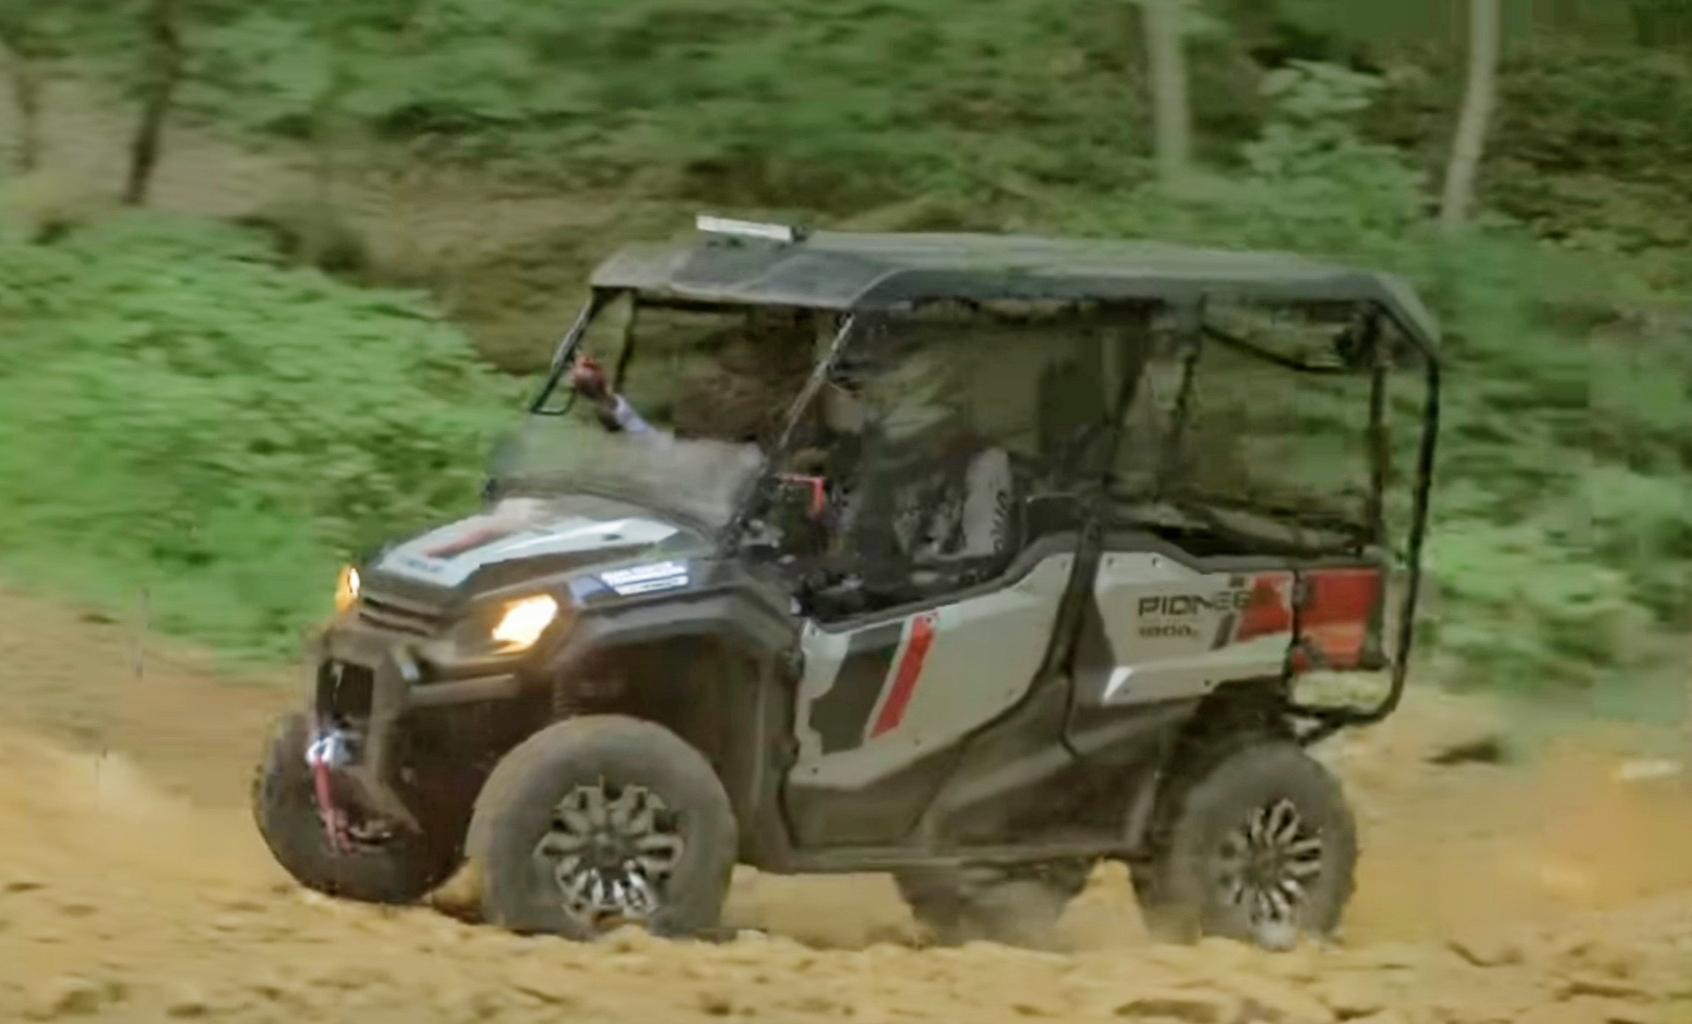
(588, 380)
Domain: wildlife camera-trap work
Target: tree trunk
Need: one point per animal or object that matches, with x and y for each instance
(164, 73)
(26, 94)
(1170, 105)
(1485, 43)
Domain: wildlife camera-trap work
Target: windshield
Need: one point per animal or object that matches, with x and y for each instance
(693, 399)
(701, 481)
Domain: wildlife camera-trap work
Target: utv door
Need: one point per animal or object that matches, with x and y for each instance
(887, 701)
(891, 697)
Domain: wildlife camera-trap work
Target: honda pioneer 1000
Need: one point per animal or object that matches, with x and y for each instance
(976, 560)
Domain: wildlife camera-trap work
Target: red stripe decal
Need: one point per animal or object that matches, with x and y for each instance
(905, 677)
(1334, 618)
(471, 541)
(1267, 612)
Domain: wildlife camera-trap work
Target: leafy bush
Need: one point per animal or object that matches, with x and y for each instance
(1589, 147)
(183, 416)
(1562, 513)
(840, 104)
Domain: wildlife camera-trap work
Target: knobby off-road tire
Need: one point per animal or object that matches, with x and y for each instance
(1014, 904)
(520, 808)
(1264, 795)
(284, 807)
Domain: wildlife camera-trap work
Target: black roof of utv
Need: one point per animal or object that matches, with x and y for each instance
(843, 270)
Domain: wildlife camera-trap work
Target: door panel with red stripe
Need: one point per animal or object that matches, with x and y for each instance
(878, 696)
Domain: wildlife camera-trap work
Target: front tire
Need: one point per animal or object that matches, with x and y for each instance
(1014, 904)
(1261, 848)
(599, 821)
(401, 870)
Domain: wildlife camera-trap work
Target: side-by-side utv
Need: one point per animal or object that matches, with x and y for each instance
(973, 559)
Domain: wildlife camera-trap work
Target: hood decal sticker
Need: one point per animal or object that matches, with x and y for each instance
(515, 529)
(452, 547)
(646, 579)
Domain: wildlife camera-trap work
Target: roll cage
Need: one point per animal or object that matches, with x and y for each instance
(862, 278)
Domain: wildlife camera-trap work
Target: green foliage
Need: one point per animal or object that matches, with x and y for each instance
(1308, 182)
(842, 103)
(312, 233)
(1563, 519)
(1595, 149)
(1564, 501)
(1563, 512)
(1563, 506)
(183, 416)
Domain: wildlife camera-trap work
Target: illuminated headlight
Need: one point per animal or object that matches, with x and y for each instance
(346, 588)
(523, 622)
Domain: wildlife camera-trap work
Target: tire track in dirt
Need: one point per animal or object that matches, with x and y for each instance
(133, 888)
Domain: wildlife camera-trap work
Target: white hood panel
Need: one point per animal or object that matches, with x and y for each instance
(516, 528)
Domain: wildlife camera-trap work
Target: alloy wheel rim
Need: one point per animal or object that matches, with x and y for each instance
(610, 853)
(1268, 866)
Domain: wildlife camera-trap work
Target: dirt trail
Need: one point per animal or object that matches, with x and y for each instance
(133, 888)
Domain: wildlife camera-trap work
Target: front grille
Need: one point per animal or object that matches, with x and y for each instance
(385, 611)
(345, 690)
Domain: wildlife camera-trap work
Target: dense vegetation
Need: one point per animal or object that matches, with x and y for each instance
(187, 421)
(1564, 529)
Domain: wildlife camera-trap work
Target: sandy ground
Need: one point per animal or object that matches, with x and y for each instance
(133, 888)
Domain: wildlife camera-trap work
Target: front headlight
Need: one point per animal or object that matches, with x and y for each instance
(522, 622)
(346, 588)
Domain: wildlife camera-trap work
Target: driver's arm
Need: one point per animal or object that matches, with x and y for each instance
(614, 410)
(623, 414)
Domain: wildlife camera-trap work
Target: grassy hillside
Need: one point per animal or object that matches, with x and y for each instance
(184, 419)
(221, 429)
(847, 106)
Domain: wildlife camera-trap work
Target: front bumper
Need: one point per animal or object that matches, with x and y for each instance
(366, 684)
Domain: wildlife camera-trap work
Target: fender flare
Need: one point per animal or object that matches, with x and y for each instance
(729, 612)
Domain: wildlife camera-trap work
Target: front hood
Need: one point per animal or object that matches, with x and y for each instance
(526, 529)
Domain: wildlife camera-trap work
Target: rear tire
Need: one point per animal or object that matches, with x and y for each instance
(1261, 848)
(284, 807)
(1014, 904)
(522, 842)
